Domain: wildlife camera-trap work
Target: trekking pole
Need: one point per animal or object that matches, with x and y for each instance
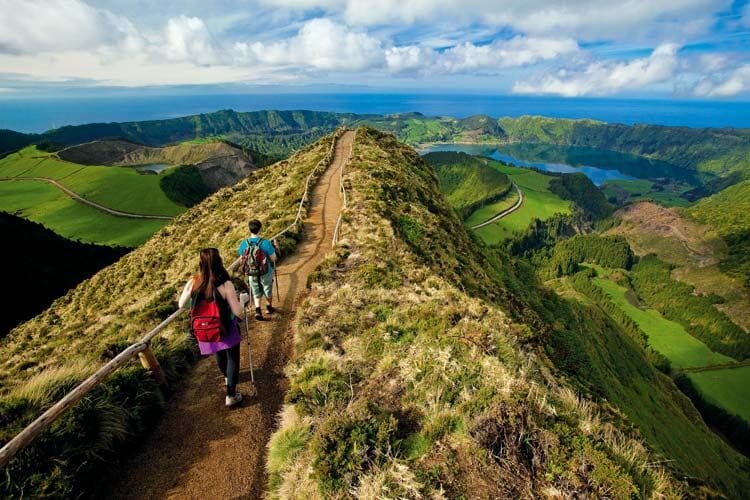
(278, 294)
(249, 346)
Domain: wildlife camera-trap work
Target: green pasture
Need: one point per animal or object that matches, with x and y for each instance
(488, 211)
(728, 388)
(665, 336)
(643, 190)
(538, 203)
(44, 203)
(120, 188)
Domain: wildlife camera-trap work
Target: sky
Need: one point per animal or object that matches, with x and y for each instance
(632, 48)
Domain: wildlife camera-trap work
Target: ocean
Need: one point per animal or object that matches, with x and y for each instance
(40, 114)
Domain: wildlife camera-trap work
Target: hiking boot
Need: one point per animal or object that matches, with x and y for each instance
(233, 400)
(258, 314)
(270, 309)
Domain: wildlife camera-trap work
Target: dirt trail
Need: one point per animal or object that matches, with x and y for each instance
(203, 450)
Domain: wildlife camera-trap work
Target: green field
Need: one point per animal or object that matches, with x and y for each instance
(665, 336)
(538, 203)
(728, 388)
(489, 211)
(643, 190)
(44, 203)
(120, 188)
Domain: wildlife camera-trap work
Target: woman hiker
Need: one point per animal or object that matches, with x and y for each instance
(215, 310)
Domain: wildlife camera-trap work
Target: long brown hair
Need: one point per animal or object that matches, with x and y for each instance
(212, 275)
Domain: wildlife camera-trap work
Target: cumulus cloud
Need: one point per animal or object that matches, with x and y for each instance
(188, 39)
(37, 26)
(603, 77)
(735, 82)
(320, 44)
(468, 57)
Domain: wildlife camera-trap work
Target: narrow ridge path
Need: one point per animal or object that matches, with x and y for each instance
(202, 450)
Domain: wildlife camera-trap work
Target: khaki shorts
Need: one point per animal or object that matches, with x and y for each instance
(264, 288)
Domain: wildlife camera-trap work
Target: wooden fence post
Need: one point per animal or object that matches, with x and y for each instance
(149, 362)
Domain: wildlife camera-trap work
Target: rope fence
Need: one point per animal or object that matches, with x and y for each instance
(342, 190)
(141, 348)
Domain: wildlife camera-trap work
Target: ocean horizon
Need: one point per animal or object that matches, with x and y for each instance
(38, 114)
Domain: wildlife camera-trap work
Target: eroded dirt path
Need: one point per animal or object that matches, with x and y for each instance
(203, 450)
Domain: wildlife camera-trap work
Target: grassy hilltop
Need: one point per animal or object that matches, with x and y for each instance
(426, 362)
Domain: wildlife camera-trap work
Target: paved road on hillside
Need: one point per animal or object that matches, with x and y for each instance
(201, 449)
(79, 198)
(505, 212)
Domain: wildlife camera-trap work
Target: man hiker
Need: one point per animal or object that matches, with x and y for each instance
(258, 259)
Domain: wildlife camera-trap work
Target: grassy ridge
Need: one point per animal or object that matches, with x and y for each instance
(468, 182)
(43, 358)
(407, 314)
(406, 384)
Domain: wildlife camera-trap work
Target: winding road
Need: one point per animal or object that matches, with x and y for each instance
(200, 449)
(79, 198)
(505, 212)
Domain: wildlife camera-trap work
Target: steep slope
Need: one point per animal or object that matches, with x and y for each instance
(715, 151)
(409, 378)
(41, 256)
(219, 164)
(43, 358)
(728, 213)
(467, 182)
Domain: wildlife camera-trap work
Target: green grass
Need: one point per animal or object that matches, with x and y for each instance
(489, 211)
(120, 188)
(643, 190)
(45, 204)
(665, 336)
(727, 388)
(538, 203)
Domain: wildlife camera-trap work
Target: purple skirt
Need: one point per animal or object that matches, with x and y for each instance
(231, 340)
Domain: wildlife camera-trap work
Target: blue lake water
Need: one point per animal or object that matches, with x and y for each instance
(43, 113)
(598, 165)
(156, 168)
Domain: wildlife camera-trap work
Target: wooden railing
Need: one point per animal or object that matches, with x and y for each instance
(141, 348)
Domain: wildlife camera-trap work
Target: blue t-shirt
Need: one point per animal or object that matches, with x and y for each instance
(265, 245)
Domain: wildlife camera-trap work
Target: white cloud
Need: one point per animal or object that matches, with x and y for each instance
(320, 44)
(468, 57)
(188, 39)
(37, 26)
(603, 77)
(736, 82)
(583, 19)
